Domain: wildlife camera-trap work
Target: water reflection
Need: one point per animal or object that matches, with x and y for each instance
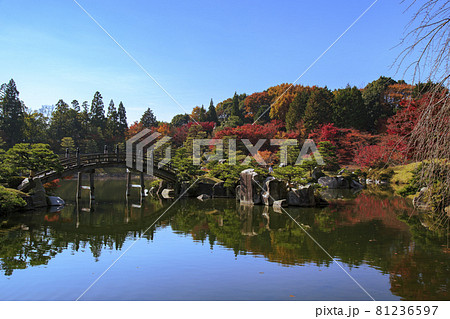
(369, 229)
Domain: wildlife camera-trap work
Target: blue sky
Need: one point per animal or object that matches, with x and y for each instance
(197, 50)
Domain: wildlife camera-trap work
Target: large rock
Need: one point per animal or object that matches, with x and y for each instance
(204, 188)
(303, 197)
(356, 185)
(218, 190)
(334, 182)
(328, 181)
(320, 202)
(39, 197)
(317, 173)
(55, 201)
(274, 190)
(250, 190)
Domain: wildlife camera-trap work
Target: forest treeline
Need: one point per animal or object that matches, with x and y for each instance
(360, 123)
(353, 127)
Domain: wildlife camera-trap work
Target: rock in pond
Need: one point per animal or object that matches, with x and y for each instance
(218, 190)
(274, 190)
(303, 197)
(250, 189)
(334, 182)
(55, 201)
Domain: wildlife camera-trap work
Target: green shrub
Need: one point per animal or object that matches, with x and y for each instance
(154, 183)
(10, 200)
(384, 174)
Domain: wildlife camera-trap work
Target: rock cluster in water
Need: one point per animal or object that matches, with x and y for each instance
(254, 190)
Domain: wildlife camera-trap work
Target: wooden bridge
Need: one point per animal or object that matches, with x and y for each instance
(87, 164)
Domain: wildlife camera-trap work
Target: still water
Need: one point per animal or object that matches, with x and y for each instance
(218, 250)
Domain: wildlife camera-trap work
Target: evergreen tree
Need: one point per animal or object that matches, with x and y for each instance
(262, 114)
(76, 105)
(123, 125)
(211, 114)
(98, 119)
(297, 109)
(328, 153)
(148, 119)
(180, 119)
(235, 106)
(375, 107)
(349, 110)
(112, 124)
(68, 143)
(85, 107)
(35, 127)
(199, 114)
(59, 122)
(65, 122)
(84, 119)
(11, 113)
(318, 109)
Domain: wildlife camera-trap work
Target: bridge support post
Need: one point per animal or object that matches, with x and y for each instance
(78, 157)
(91, 184)
(142, 185)
(79, 184)
(128, 182)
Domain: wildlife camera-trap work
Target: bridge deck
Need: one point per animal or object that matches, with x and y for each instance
(87, 162)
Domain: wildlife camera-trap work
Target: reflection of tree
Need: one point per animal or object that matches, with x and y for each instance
(365, 230)
(25, 248)
(45, 236)
(278, 238)
(422, 271)
(416, 276)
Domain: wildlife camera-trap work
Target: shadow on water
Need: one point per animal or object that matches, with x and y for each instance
(366, 228)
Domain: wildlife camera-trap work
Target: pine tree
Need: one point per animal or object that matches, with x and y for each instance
(235, 107)
(297, 109)
(211, 114)
(374, 103)
(123, 125)
(318, 109)
(112, 124)
(148, 119)
(60, 125)
(98, 119)
(328, 153)
(180, 119)
(84, 119)
(76, 105)
(349, 110)
(11, 113)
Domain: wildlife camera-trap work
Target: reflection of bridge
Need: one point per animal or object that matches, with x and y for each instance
(88, 163)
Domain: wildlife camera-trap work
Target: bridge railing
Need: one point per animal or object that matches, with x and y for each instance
(73, 160)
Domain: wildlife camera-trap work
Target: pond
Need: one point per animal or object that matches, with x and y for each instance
(219, 250)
